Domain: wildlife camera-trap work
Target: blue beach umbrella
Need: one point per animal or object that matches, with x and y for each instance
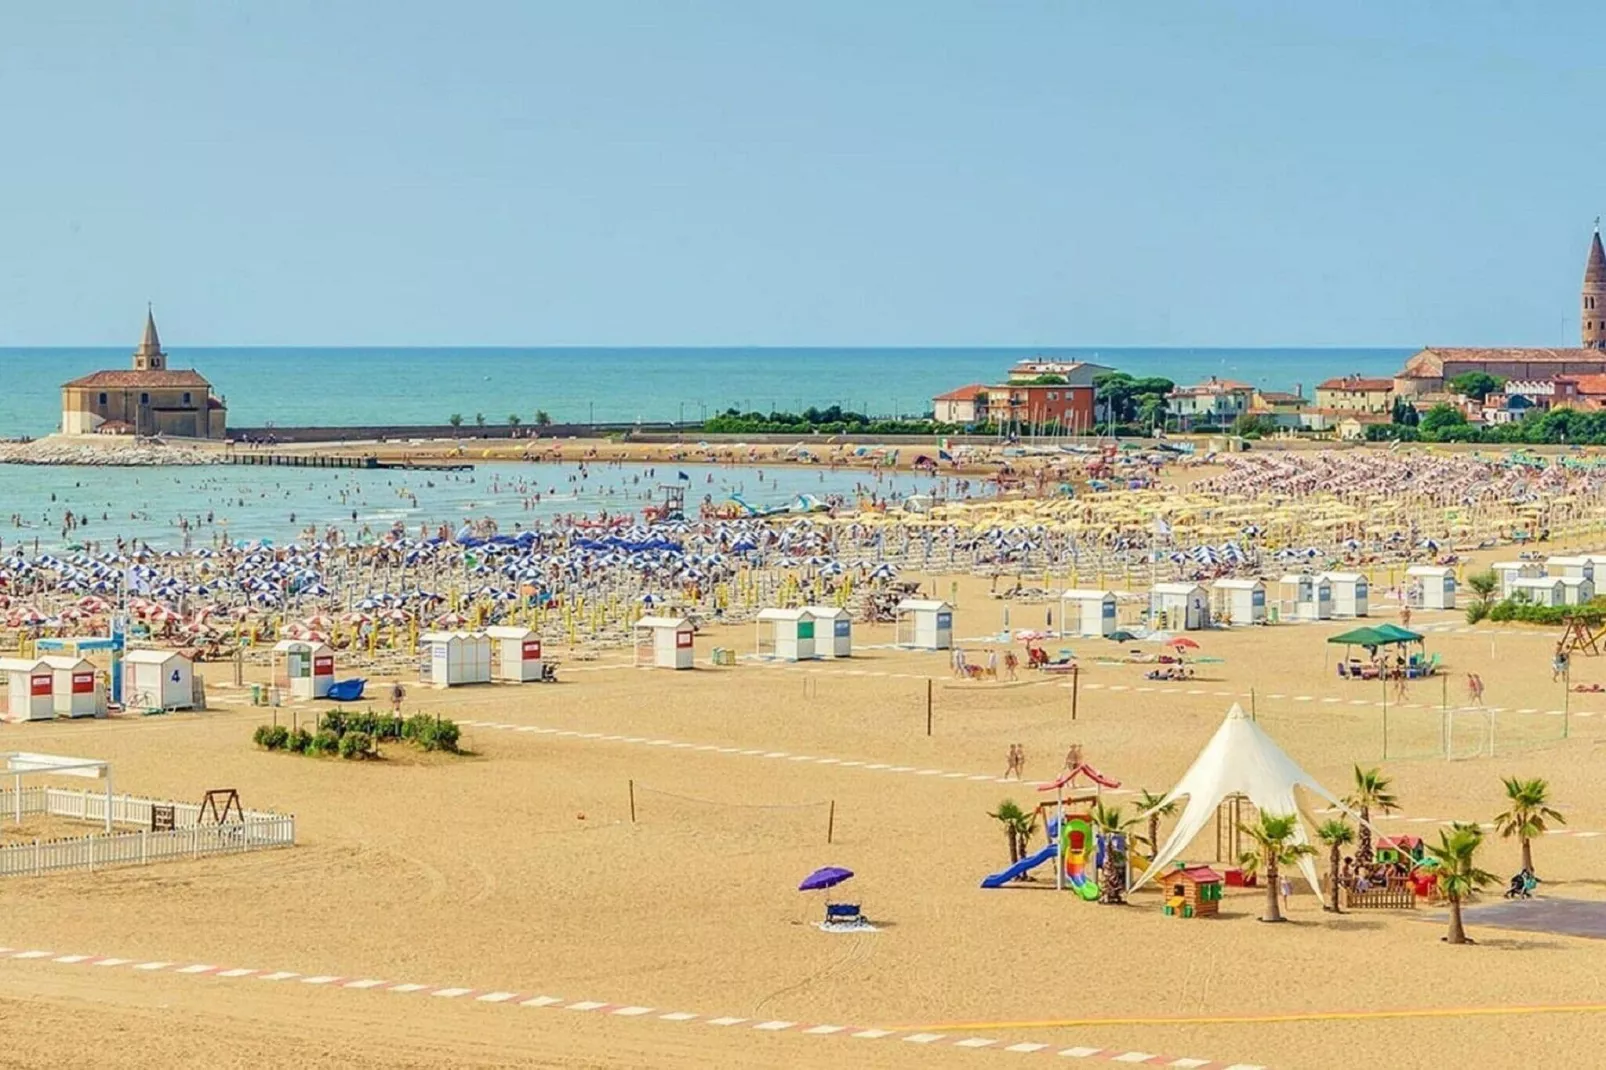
(827, 877)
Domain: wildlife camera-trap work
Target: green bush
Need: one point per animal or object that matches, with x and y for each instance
(356, 745)
(300, 741)
(277, 736)
(326, 741)
(1477, 611)
(260, 736)
(1524, 612)
(358, 735)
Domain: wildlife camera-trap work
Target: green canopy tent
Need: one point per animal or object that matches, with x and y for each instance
(1397, 634)
(1364, 637)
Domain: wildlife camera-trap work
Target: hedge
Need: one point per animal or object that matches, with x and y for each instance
(358, 735)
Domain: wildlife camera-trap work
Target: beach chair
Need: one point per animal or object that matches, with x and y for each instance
(843, 914)
(1343, 671)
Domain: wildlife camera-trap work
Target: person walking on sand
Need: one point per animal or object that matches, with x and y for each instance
(1011, 663)
(1287, 889)
(1017, 761)
(1475, 688)
(397, 693)
(1405, 616)
(1558, 664)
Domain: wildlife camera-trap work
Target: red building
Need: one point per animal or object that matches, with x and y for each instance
(1029, 407)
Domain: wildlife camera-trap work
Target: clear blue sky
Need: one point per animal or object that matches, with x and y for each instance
(755, 172)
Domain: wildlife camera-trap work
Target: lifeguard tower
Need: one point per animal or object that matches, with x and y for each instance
(924, 624)
(30, 684)
(791, 634)
(833, 631)
(664, 643)
(303, 668)
(1087, 613)
(518, 654)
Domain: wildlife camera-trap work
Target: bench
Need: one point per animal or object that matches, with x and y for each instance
(842, 912)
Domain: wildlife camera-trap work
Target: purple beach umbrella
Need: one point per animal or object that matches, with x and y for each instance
(828, 877)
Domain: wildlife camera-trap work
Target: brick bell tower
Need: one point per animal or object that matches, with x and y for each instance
(1592, 311)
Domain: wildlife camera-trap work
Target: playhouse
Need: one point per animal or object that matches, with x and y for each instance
(791, 634)
(1576, 590)
(1570, 568)
(1540, 590)
(1179, 605)
(925, 624)
(833, 631)
(30, 684)
(1392, 849)
(158, 679)
(1505, 572)
(303, 668)
(1087, 613)
(1309, 597)
(1192, 892)
(1240, 602)
(518, 654)
(75, 687)
(451, 659)
(664, 642)
(1437, 584)
(1349, 593)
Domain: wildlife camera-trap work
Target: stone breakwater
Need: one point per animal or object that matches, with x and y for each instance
(57, 451)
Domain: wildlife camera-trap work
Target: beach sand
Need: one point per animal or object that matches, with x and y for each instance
(517, 869)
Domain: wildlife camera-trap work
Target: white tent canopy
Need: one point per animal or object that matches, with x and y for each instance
(1240, 759)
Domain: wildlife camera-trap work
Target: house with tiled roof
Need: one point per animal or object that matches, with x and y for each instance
(1215, 402)
(960, 406)
(1355, 393)
(148, 399)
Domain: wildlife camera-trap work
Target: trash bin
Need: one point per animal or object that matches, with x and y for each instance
(256, 695)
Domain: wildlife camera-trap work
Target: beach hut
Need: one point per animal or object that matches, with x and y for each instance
(791, 634)
(1436, 585)
(1505, 572)
(452, 659)
(30, 684)
(1179, 605)
(1088, 613)
(518, 654)
(833, 631)
(1539, 590)
(1310, 597)
(1349, 593)
(303, 668)
(925, 624)
(158, 679)
(1570, 568)
(75, 686)
(664, 642)
(1240, 602)
(1576, 590)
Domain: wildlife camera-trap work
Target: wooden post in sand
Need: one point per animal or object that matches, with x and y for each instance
(928, 705)
(830, 822)
(632, 784)
(1076, 681)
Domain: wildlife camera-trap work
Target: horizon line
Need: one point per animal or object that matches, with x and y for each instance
(1080, 349)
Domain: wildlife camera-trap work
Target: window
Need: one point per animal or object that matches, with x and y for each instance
(144, 399)
(103, 397)
(186, 397)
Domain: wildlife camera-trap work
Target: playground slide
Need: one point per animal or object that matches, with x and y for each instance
(1084, 887)
(998, 880)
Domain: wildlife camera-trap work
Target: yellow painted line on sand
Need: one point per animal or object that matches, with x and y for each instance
(1263, 1019)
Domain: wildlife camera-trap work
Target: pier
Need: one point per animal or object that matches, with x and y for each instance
(365, 461)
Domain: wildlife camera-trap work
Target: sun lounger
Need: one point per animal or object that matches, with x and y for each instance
(843, 913)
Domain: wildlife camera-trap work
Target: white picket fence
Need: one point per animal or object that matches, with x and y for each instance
(188, 839)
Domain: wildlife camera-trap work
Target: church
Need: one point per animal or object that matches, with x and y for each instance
(1428, 370)
(149, 399)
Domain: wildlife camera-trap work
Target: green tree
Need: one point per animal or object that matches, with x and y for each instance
(1483, 585)
(1048, 380)
(542, 419)
(1404, 414)
(479, 419)
(1018, 827)
(1371, 792)
(1110, 823)
(1335, 834)
(456, 419)
(1442, 418)
(1156, 807)
(1527, 810)
(1475, 385)
(1274, 836)
(514, 419)
(1459, 876)
(1153, 409)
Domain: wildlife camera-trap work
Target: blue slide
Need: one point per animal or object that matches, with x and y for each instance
(998, 880)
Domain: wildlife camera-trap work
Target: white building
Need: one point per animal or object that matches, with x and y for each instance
(161, 679)
(452, 659)
(1540, 590)
(925, 624)
(664, 643)
(1240, 602)
(1350, 592)
(833, 632)
(1505, 572)
(791, 634)
(1087, 613)
(1306, 597)
(1432, 586)
(1179, 605)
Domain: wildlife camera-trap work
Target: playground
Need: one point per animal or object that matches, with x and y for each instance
(635, 838)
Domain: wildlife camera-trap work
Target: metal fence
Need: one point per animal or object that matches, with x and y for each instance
(188, 839)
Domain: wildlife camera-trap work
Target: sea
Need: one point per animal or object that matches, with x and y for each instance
(373, 386)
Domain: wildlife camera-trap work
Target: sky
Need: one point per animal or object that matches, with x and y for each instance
(756, 172)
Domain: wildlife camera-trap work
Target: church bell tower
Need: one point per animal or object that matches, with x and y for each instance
(150, 358)
(1592, 311)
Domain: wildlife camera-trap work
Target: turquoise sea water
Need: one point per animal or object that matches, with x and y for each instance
(348, 387)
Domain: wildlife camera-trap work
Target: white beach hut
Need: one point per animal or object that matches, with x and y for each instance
(1570, 568)
(1085, 612)
(1576, 590)
(518, 653)
(30, 689)
(1540, 590)
(161, 679)
(1350, 591)
(303, 668)
(1239, 603)
(833, 631)
(664, 642)
(925, 624)
(1433, 586)
(1179, 605)
(75, 686)
(1505, 572)
(452, 659)
(1308, 597)
(791, 634)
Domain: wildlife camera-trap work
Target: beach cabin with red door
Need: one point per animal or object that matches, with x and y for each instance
(518, 654)
(75, 689)
(30, 689)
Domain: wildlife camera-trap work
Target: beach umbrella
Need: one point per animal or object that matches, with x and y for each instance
(1182, 643)
(825, 877)
(1121, 636)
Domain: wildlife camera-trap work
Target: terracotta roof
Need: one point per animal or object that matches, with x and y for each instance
(964, 393)
(1591, 385)
(1368, 418)
(1595, 270)
(1282, 398)
(1213, 386)
(1355, 382)
(1429, 363)
(131, 379)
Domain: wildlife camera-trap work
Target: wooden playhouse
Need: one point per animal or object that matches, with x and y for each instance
(1192, 892)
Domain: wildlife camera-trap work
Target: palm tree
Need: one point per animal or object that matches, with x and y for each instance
(541, 418)
(1150, 802)
(1018, 827)
(1110, 823)
(1527, 814)
(1459, 876)
(456, 419)
(1336, 834)
(1274, 835)
(1483, 585)
(514, 419)
(1371, 792)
